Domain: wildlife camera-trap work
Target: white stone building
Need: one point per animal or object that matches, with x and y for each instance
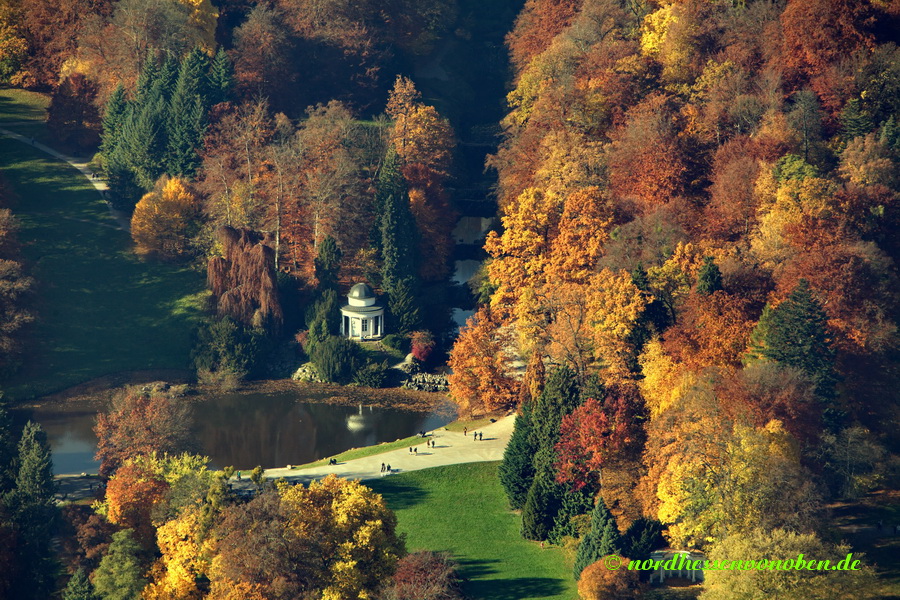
(362, 318)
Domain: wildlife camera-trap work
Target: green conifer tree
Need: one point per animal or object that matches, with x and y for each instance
(147, 78)
(709, 279)
(574, 504)
(120, 574)
(890, 134)
(403, 305)
(797, 336)
(559, 397)
(544, 500)
(602, 540)
(79, 587)
(144, 143)
(328, 263)
(167, 77)
(221, 79)
(855, 121)
(517, 469)
(187, 115)
(34, 480)
(398, 228)
(114, 115)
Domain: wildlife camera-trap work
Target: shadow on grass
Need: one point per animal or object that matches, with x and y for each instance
(481, 584)
(399, 493)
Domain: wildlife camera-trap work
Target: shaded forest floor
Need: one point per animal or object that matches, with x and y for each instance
(100, 308)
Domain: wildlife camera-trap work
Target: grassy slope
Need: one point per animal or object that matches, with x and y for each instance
(100, 308)
(462, 508)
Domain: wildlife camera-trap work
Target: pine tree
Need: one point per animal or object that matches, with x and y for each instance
(544, 500)
(797, 336)
(574, 503)
(643, 537)
(221, 79)
(559, 397)
(120, 574)
(517, 469)
(114, 115)
(890, 134)
(167, 78)
(147, 78)
(328, 263)
(34, 481)
(143, 145)
(602, 540)
(709, 279)
(79, 587)
(187, 115)
(855, 121)
(398, 229)
(403, 305)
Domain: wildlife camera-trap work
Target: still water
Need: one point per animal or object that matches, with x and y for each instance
(244, 429)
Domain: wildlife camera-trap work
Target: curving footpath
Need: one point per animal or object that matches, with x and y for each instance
(82, 166)
(451, 448)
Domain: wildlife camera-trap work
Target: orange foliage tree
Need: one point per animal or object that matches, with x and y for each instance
(598, 582)
(166, 219)
(131, 496)
(481, 364)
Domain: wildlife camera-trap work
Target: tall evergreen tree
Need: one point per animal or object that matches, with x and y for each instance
(34, 480)
(398, 228)
(221, 78)
(187, 115)
(403, 304)
(797, 335)
(855, 121)
(144, 143)
(602, 540)
(328, 263)
(574, 503)
(517, 469)
(120, 574)
(544, 500)
(167, 78)
(890, 134)
(147, 79)
(114, 115)
(709, 279)
(79, 587)
(559, 397)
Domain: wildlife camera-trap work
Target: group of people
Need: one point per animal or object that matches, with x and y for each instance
(385, 468)
(477, 436)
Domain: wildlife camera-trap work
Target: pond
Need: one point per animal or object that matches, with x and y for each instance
(244, 429)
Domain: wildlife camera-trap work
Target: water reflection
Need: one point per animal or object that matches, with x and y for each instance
(245, 429)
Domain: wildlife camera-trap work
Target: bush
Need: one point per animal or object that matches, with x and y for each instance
(599, 583)
(372, 375)
(336, 359)
(396, 342)
(424, 575)
(225, 350)
(422, 343)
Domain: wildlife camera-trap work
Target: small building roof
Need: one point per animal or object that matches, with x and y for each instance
(362, 310)
(361, 291)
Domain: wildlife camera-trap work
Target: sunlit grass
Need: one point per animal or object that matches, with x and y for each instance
(462, 509)
(22, 105)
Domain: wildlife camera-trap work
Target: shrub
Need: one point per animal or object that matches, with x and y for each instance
(396, 342)
(599, 583)
(372, 375)
(422, 343)
(225, 350)
(336, 358)
(424, 575)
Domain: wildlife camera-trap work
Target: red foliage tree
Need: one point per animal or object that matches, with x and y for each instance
(425, 575)
(596, 434)
(140, 424)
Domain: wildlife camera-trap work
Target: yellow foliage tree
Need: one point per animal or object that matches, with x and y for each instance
(166, 218)
(665, 380)
(355, 531)
(184, 559)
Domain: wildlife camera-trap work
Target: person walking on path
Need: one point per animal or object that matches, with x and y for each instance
(465, 431)
(475, 435)
(382, 467)
(480, 436)
(416, 451)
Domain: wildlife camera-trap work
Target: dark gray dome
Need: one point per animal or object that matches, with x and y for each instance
(361, 291)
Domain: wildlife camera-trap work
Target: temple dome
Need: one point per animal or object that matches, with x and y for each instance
(361, 291)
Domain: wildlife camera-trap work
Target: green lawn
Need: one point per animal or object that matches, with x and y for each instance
(100, 308)
(462, 509)
(22, 105)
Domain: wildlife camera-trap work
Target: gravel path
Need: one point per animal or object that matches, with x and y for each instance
(451, 448)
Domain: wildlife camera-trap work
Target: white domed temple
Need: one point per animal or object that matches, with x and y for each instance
(362, 318)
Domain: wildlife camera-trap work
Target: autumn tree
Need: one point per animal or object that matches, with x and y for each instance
(140, 423)
(598, 582)
(132, 495)
(243, 280)
(424, 575)
(785, 583)
(165, 220)
(481, 381)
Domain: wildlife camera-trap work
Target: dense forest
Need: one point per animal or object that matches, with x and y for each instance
(689, 298)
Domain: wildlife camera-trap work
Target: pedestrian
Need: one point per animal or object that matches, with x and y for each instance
(465, 431)
(389, 470)
(432, 443)
(416, 452)
(480, 436)
(410, 449)
(475, 435)
(382, 467)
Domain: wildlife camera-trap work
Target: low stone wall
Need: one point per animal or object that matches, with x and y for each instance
(427, 382)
